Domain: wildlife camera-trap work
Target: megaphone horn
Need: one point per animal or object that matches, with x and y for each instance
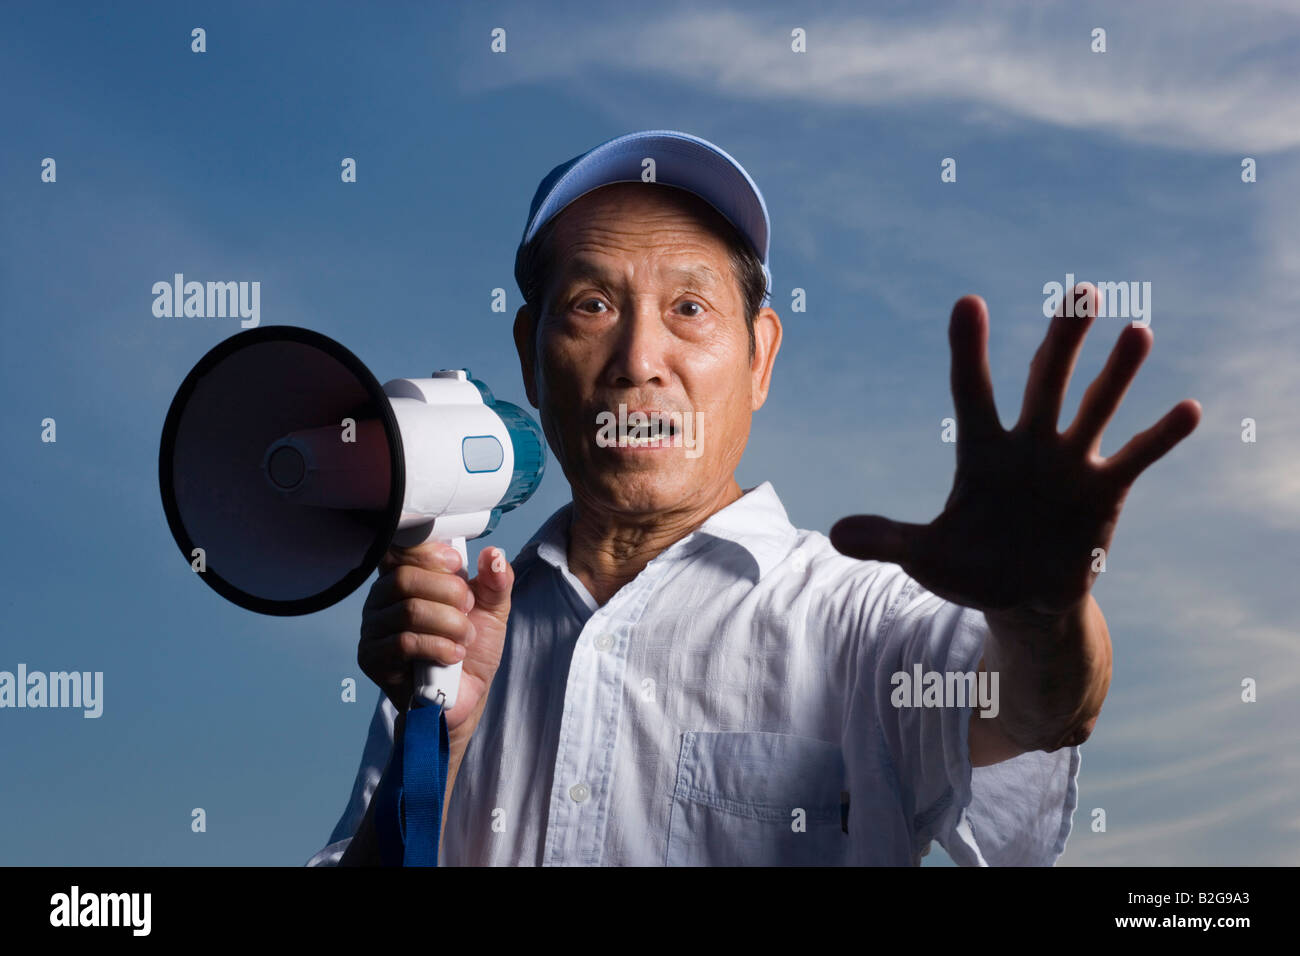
(289, 470)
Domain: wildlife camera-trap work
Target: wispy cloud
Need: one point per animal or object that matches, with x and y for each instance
(1186, 771)
(1186, 75)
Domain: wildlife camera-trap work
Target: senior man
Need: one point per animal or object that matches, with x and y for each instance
(671, 673)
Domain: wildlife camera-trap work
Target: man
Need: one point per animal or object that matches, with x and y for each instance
(671, 673)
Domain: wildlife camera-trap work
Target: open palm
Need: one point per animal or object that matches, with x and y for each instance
(1029, 507)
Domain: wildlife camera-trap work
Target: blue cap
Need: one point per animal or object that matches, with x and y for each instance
(682, 160)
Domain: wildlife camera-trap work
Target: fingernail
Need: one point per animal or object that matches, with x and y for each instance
(453, 559)
(498, 561)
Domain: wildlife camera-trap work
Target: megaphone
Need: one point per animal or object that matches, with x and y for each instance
(287, 471)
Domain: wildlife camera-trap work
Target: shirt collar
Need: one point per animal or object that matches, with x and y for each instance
(756, 521)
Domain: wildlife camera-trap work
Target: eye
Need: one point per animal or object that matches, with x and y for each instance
(700, 308)
(586, 302)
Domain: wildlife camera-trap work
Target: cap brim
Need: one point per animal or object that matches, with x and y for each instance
(680, 160)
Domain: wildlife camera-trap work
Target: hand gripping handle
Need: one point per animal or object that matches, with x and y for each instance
(435, 683)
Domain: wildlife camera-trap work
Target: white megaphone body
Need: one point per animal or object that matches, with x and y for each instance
(287, 470)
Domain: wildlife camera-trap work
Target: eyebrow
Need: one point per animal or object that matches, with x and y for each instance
(700, 275)
(583, 267)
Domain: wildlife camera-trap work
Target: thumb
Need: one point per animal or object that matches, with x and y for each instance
(873, 538)
(493, 584)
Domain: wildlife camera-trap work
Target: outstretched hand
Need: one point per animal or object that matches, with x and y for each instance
(1028, 506)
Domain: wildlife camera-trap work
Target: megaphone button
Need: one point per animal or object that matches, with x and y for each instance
(482, 453)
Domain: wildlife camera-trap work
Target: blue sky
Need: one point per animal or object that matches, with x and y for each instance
(225, 166)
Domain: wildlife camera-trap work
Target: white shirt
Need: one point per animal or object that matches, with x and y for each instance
(730, 705)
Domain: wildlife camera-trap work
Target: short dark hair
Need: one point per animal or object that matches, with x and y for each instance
(534, 265)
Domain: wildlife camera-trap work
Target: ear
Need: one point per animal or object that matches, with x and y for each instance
(525, 326)
(767, 342)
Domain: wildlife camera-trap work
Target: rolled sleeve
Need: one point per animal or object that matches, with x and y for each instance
(1014, 813)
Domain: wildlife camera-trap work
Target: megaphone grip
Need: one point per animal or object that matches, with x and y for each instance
(434, 683)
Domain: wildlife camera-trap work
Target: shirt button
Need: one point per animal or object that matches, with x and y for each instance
(579, 792)
(605, 642)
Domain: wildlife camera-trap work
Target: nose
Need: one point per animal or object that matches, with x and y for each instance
(640, 351)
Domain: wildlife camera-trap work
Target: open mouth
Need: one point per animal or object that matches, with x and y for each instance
(658, 431)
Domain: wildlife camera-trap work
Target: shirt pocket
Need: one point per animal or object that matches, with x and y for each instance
(757, 799)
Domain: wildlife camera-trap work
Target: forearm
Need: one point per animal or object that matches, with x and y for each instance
(1053, 674)
(363, 850)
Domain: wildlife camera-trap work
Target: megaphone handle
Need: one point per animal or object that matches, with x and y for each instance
(434, 683)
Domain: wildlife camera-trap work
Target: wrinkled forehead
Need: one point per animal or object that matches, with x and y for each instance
(638, 206)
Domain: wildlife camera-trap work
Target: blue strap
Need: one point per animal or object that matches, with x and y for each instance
(408, 816)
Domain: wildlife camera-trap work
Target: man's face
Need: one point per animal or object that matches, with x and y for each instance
(644, 309)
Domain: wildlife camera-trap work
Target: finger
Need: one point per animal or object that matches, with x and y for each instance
(1147, 447)
(1109, 388)
(407, 581)
(873, 538)
(388, 659)
(972, 386)
(1049, 373)
(420, 616)
(383, 665)
(430, 555)
(491, 588)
